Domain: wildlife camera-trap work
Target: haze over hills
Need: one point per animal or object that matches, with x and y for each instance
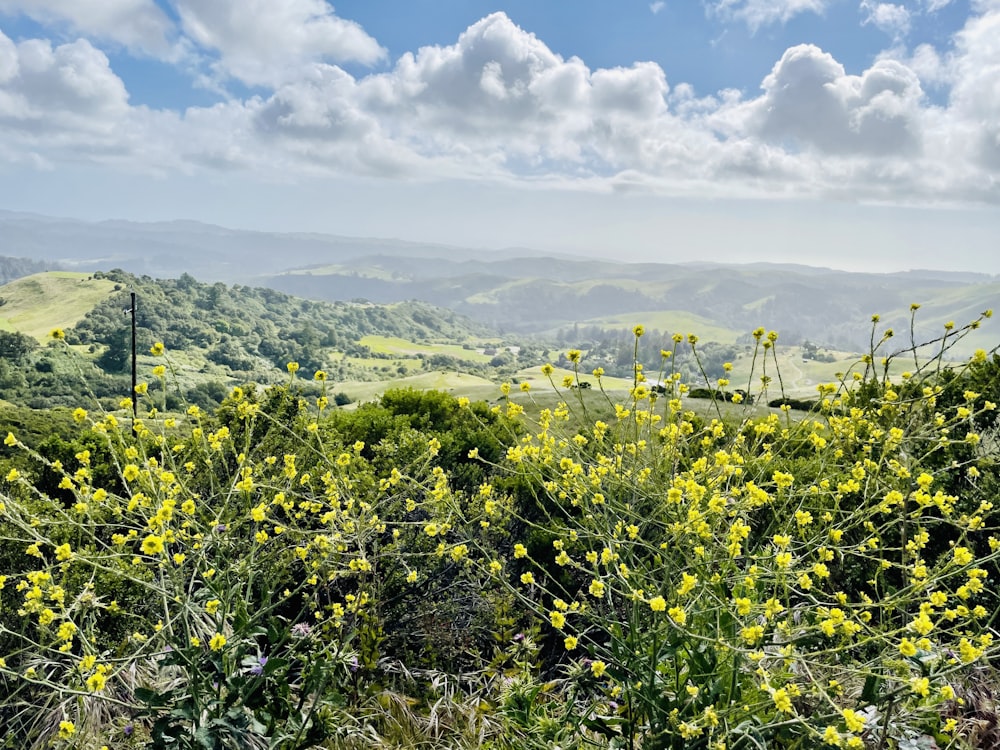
(206, 251)
(520, 290)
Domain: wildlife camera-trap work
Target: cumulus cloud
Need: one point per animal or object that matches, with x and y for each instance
(48, 91)
(499, 104)
(975, 95)
(809, 102)
(262, 42)
(137, 24)
(758, 13)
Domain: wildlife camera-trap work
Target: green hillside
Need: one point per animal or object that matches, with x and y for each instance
(36, 304)
(719, 303)
(215, 336)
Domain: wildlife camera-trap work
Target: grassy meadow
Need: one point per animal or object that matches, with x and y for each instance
(56, 299)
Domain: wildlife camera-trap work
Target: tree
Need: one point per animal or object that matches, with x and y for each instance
(15, 346)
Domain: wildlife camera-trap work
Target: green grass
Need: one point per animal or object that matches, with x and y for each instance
(456, 383)
(533, 375)
(671, 321)
(34, 305)
(395, 345)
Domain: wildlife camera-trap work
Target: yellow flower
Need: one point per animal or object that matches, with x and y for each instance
(217, 642)
(63, 552)
(520, 551)
(319, 375)
(156, 349)
(638, 331)
(922, 624)
(782, 701)
(58, 334)
(658, 604)
(598, 668)
(688, 582)
(907, 647)
(678, 615)
(558, 619)
(96, 682)
(212, 606)
(527, 579)
(292, 367)
(855, 722)
(152, 545)
(547, 370)
(921, 686)
(752, 633)
(570, 642)
(66, 728)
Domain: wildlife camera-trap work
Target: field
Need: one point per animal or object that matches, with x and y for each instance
(393, 345)
(456, 383)
(58, 299)
(669, 321)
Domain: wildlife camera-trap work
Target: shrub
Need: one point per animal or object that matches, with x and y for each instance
(279, 573)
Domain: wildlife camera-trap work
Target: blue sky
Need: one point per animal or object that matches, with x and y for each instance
(845, 133)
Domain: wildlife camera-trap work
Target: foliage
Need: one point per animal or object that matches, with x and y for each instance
(240, 325)
(426, 571)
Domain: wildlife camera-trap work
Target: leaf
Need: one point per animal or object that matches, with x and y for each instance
(151, 698)
(871, 689)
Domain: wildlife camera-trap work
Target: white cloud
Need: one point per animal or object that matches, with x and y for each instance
(758, 13)
(931, 67)
(137, 24)
(657, 6)
(58, 93)
(936, 5)
(500, 105)
(262, 42)
(975, 95)
(891, 18)
(8, 59)
(809, 102)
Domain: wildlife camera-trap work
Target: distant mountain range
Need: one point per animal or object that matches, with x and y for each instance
(516, 290)
(205, 251)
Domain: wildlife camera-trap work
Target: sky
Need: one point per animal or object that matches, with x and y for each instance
(850, 134)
